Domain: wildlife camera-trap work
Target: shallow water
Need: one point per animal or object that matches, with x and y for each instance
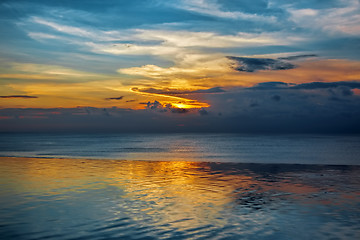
(113, 199)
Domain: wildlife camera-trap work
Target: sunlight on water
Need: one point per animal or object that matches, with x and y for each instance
(108, 199)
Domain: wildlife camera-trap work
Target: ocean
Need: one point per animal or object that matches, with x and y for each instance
(179, 186)
(293, 149)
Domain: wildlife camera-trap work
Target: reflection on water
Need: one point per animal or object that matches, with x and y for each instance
(105, 199)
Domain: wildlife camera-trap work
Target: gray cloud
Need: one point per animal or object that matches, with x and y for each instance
(210, 90)
(154, 105)
(203, 112)
(179, 110)
(318, 85)
(115, 98)
(244, 64)
(345, 86)
(18, 96)
(299, 112)
(270, 85)
(296, 57)
(159, 107)
(254, 104)
(276, 108)
(276, 98)
(171, 91)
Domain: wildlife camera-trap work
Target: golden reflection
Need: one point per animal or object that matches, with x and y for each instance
(169, 190)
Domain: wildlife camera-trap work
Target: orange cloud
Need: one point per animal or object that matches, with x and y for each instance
(201, 73)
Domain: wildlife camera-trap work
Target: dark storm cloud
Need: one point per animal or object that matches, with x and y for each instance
(154, 105)
(345, 86)
(254, 104)
(319, 85)
(270, 85)
(276, 98)
(244, 64)
(242, 111)
(203, 112)
(115, 98)
(18, 96)
(346, 91)
(179, 110)
(288, 110)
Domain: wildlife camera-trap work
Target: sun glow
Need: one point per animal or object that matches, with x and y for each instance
(183, 103)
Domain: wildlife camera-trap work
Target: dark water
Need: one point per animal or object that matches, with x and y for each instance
(211, 195)
(302, 149)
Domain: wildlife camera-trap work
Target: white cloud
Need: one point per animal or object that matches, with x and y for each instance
(51, 71)
(177, 45)
(212, 8)
(343, 20)
(170, 44)
(131, 49)
(208, 39)
(156, 71)
(191, 67)
(83, 32)
(40, 36)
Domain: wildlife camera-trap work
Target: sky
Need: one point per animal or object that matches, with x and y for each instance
(180, 66)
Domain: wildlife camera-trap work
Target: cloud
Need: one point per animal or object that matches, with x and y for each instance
(159, 107)
(178, 44)
(308, 86)
(179, 110)
(319, 85)
(115, 98)
(75, 31)
(296, 57)
(154, 105)
(343, 20)
(203, 112)
(210, 90)
(277, 108)
(20, 70)
(139, 41)
(182, 51)
(245, 64)
(214, 9)
(276, 98)
(156, 71)
(206, 39)
(171, 91)
(297, 112)
(270, 85)
(18, 96)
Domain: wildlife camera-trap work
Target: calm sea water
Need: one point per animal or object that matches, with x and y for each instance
(301, 149)
(228, 187)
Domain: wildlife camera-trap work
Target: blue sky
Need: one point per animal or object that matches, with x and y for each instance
(132, 55)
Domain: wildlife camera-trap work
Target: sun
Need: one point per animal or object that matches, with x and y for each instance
(183, 105)
(192, 104)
